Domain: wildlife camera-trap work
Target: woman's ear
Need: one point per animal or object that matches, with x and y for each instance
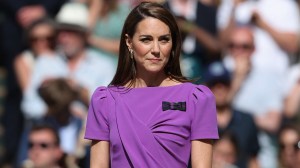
(128, 41)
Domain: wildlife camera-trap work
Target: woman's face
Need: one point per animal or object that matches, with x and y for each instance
(288, 142)
(41, 37)
(151, 45)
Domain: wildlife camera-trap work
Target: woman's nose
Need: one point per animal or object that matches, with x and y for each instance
(156, 48)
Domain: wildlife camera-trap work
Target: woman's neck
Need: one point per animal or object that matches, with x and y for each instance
(153, 80)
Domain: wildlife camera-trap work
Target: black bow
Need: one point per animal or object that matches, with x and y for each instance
(173, 106)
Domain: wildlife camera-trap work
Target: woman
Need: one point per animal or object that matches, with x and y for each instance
(150, 115)
(289, 146)
(41, 37)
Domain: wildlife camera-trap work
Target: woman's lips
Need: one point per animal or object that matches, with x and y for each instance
(154, 60)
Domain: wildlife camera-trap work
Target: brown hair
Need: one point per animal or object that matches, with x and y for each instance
(58, 96)
(45, 126)
(42, 21)
(126, 71)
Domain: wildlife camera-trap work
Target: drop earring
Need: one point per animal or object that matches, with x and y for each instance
(131, 53)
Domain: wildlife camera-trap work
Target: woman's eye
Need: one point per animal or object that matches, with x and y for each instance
(165, 40)
(145, 40)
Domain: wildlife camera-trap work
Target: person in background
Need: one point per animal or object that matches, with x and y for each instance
(276, 37)
(239, 123)
(150, 112)
(44, 148)
(289, 146)
(197, 22)
(105, 36)
(41, 35)
(17, 15)
(237, 57)
(82, 67)
(225, 151)
(59, 96)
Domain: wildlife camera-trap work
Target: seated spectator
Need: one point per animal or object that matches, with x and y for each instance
(105, 36)
(257, 89)
(225, 151)
(59, 96)
(197, 22)
(289, 147)
(85, 69)
(240, 124)
(44, 148)
(41, 38)
(82, 68)
(237, 57)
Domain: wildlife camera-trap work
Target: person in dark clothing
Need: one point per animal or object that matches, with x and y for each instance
(240, 124)
(197, 22)
(17, 16)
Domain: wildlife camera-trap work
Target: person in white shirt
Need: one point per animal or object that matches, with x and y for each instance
(276, 25)
(77, 63)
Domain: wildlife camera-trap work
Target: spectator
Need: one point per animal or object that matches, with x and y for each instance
(276, 35)
(289, 147)
(240, 124)
(44, 148)
(18, 15)
(225, 151)
(41, 38)
(238, 55)
(58, 95)
(106, 34)
(81, 66)
(197, 22)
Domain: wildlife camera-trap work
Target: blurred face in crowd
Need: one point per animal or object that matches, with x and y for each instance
(41, 37)
(224, 153)
(220, 90)
(43, 151)
(151, 45)
(289, 148)
(241, 42)
(72, 42)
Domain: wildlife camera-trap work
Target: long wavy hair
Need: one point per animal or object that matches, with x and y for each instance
(126, 70)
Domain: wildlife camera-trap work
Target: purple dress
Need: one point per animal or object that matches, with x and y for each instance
(152, 126)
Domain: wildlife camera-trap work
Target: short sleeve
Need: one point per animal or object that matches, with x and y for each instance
(97, 124)
(204, 119)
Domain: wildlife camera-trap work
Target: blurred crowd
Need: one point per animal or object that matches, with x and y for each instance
(54, 54)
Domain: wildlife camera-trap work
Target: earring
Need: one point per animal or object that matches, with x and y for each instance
(131, 53)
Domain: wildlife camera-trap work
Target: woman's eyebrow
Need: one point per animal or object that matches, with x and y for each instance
(145, 35)
(165, 35)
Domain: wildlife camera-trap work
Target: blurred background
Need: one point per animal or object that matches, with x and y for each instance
(54, 54)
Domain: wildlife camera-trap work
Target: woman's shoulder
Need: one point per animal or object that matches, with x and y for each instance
(100, 93)
(200, 91)
(103, 92)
